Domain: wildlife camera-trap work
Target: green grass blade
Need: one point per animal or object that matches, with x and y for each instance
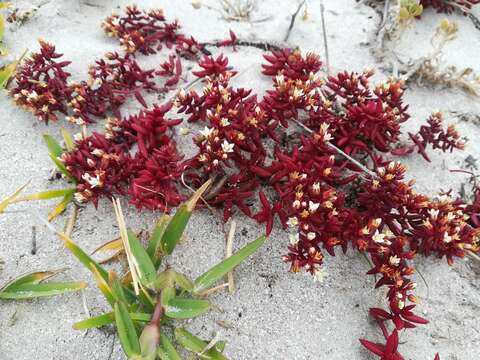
(180, 308)
(31, 291)
(154, 248)
(32, 278)
(166, 350)
(46, 195)
(220, 270)
(197, 345)
(126, 330)
(61, 206)
(53, 146)
(179, 221)
(69, 144)
(60, 166)
(106, 319)
(146, 270)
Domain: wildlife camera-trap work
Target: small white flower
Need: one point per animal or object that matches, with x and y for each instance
(98, 152)
(202, 158)
(184, 131)
(446, 238)
(376, 222)
(311, 236)
(394, 260)
(215, 162)
(78, 137)
(206, 132)
(401, 304)
(93, 181)
(316, 187)
(280, 79)
(292, 221)
(227, 147)
(294, 238)
(433, 213)
(312, 207)
(224, 122)
(378, 237)
(33, 95)
(296, 204)
(297, 93)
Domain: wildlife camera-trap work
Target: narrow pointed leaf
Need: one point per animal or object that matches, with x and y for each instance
(9, 199)
(113, 245)
(166, 295)
(154, 248)
(32, 278)
(53, 146)
(197, 345)
(145, 267)
(30, 291)
(6, 73)
(179, 221)
(69, 144)
(106, 319)
(103, 286)
(218, 271)
(126, 330)
(166, 350)
(46, 195)
(61, 206)
(60, 166)
(180, 308)
(182, 281)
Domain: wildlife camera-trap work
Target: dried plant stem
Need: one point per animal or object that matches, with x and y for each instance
(126, 245)
(70, 224)
(473, 255)
(230, 238)
(292, 21)
(325, 40)
(340, 151)
(212, 290)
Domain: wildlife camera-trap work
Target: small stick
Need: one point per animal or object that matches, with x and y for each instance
(325, 41)
(473, 255)
(212, 290)
(34, 240)
(230, 238)
(292, 21)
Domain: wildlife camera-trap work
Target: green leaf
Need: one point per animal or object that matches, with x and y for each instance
(154, 248)
(126, 330)
(60, 166)
(166, 351)
(81, 255)
(46, 195)
(197, 345)
(179, 221)
(181, 308)
(32, 278)
(30, 291)
(53, 146)
(146, 270)
(61, 206)
(104, 286)
(166, 295)
(69, 143)
(182, 281)
(106, 319)
(6, 73)
(10, 199)
(116, 288)
(219, 270)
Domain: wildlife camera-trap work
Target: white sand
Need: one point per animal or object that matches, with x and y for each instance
(274, 314)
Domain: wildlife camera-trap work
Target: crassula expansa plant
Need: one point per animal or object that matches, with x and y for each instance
(449, 6)
(319, 152)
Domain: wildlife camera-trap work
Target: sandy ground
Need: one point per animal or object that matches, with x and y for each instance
(273, 314)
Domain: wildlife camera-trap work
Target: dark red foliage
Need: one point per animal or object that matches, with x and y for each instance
(213, 67)
(232, 41)
(172, 69)
(99, 167)
(448, 6)
(42, 84)
(146, 31)
(434, 134)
